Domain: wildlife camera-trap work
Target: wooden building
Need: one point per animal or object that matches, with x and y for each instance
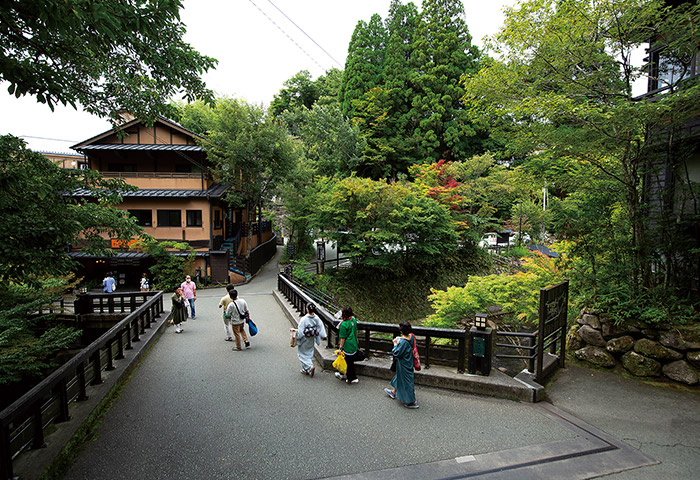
(178, 198)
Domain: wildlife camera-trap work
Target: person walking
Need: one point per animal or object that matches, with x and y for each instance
(238, 311)
(347, 332)
(109, 285)
(308, 333)
(145, 286)
(224, 303)
(402, 384)
(179, 311)
(189, 289)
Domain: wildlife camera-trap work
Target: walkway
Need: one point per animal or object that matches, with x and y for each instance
(195, 409)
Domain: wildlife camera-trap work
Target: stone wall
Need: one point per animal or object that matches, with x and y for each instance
(643, 351)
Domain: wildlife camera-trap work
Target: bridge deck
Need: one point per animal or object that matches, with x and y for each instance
(196, 409)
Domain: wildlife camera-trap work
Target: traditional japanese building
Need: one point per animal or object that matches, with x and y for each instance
(178, 198)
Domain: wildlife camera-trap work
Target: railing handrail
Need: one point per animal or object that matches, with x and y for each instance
(331, 322)
(55, 385)
(23, 403)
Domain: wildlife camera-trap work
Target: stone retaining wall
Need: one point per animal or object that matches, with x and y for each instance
(641, 350)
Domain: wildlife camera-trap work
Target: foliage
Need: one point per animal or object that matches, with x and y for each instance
(565, 83)
(517, 295)
(40, 217)
(364, 64)
(330, 142)
(105, 56)
(251, 150)
(301, 91)
(378, 297)
(28, 342)
(173, 261)
(388, 226)
(442, 54)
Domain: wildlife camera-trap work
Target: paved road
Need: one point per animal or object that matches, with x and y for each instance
(196, 409)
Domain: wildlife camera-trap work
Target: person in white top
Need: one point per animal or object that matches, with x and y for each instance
(237, 311)
(225, 302)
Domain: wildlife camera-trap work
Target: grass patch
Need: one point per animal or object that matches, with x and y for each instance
(383, 298)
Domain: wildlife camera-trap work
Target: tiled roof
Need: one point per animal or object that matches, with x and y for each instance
(215, 191)
(144, 146)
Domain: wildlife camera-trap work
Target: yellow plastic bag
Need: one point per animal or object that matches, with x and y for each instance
(340, 364)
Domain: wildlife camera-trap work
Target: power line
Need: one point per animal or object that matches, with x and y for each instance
(287, 35)
(46, 138)
(307, 35)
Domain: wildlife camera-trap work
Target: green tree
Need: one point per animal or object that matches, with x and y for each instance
(391, 227)
(106, 56)
(251, 150)
(442, 53)
(39, 217)
(299, 91)
(330, 141)
(173, 261)
(566, 76)
(29, 342)
(364, 64)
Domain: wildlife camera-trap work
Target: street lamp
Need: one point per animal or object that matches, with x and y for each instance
(480, 321)
(480, 346)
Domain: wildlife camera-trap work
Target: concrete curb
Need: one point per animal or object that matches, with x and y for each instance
(45, 462)
(497, 384)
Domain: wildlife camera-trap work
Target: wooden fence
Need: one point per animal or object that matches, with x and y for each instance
(22, 424)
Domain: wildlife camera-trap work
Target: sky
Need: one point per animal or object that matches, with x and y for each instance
(259, 44)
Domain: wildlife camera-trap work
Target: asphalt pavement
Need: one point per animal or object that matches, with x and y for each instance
(195, 409)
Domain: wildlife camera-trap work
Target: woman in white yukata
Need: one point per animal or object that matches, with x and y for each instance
(308, 333)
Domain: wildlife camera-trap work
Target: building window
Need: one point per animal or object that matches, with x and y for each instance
(194, 218)
(143, 217)
(217, 219)
(169, 218)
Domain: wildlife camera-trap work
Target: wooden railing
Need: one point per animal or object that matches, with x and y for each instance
(22, 424)
(376, 338)
(117, 302)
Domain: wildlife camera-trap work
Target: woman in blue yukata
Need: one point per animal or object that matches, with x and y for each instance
(308, 333)
(402, 383)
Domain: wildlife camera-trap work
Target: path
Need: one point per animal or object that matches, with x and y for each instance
(196, 409)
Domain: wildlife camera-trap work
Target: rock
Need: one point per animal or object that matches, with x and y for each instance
(620, 344)
(649, 348)
(653, 349)
(609, 329)
(650, 333)
(591, 320)
(573, 341)
(694, 359)
(591, 336)
(681, 372)
(640, 365)
(596, 356)
(672, 339)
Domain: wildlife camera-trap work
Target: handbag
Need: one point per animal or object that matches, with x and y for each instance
(340, 364)
(416, 357)
(359, 355)
(393, 364)
(252, 328)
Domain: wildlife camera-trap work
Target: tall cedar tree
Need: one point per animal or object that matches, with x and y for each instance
(365, 63)
(384, 113)
(442, 54)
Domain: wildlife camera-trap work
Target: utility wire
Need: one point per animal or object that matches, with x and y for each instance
(287, 35)
(46, 138)
(307, 35)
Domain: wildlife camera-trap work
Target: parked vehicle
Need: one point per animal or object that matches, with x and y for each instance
(506, 238)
